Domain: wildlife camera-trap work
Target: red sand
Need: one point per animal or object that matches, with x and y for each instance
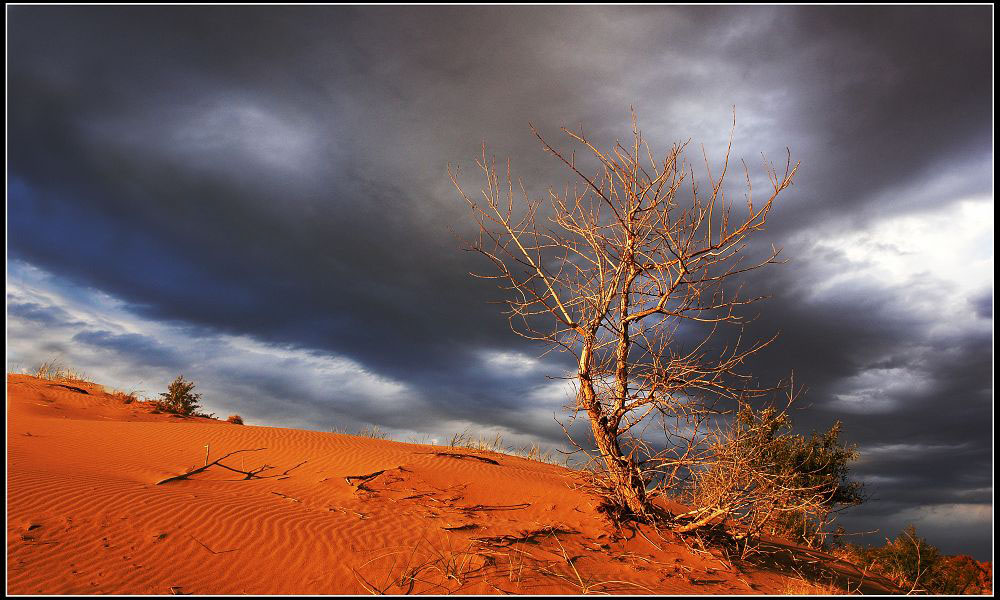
(86, 516)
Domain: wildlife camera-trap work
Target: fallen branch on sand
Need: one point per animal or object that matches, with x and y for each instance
(462, 456)
(487, 507)
(251, 474)
(362, 479)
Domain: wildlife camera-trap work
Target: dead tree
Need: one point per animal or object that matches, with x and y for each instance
(630, 270)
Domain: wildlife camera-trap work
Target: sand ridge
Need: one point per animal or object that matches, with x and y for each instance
(325, 513)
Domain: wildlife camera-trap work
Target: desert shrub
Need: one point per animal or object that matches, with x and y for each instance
(235, 419)
(964, 575)
(769, 480)
(179, 399)
(914, 564)
(817, 464)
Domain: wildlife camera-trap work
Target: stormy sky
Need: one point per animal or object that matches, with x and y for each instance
(258, 198)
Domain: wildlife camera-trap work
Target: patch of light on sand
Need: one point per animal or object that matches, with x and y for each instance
(941, 256)
(877, 391)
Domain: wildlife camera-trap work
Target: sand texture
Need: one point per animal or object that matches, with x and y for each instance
(322, 513)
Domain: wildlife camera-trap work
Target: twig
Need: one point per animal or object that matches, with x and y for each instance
(200, 469)
(209, 549)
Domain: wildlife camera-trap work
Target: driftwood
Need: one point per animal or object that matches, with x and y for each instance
(251, 474)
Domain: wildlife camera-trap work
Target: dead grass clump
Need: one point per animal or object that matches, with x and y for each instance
(804, 587)
(495, 443)
(54, 370)
(422, 569)
(126, 397)
(369, 431)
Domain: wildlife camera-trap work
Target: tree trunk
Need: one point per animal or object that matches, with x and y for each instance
(623, 473)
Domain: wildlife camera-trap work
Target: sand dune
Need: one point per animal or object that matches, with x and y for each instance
(337, 514)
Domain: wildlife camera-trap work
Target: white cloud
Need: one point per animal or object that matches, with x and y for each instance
(943, 516)
(509, 363)
(877, 391)
(228, 369)
(238, 126)
(936, 259)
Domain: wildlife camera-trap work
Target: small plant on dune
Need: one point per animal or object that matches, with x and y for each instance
(179, 399)
(369, 431)
(129, 397)
(487, 444)
(125, 397)
(235, 419)
(496, 444)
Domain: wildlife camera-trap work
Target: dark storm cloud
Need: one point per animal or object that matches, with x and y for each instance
(280, 173)
(50, 316)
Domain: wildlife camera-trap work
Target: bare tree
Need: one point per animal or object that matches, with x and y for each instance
(629, 270)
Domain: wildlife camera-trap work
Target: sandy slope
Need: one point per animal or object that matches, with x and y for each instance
(86, 516)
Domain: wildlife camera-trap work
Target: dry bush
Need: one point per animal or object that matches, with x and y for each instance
(125, 397)
(234, 419)
(374, 432)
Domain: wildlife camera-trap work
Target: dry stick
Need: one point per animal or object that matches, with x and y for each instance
(639, 529)
(486, 507)
(461, 456)
(209, 549)
(200, 469)
(286, 497)
(363, 478)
